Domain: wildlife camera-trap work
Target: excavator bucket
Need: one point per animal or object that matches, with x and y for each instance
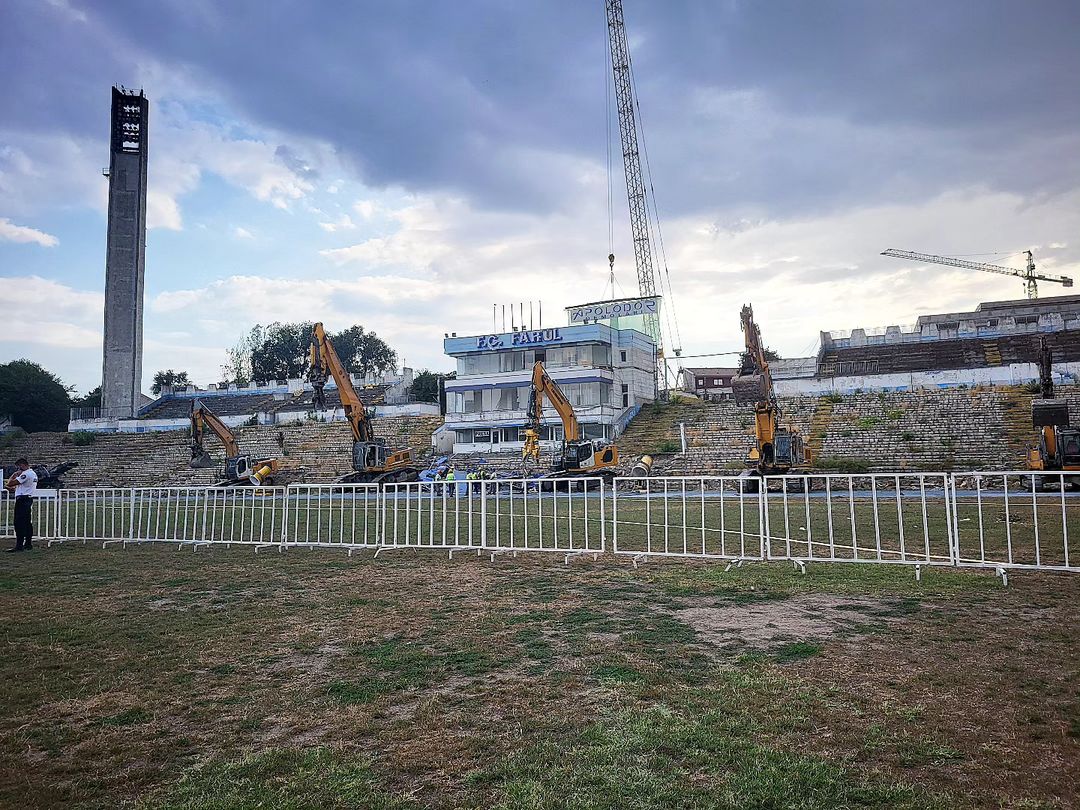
(200, 460)
(748, 389)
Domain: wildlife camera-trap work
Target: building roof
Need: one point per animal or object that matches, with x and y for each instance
(713, 371)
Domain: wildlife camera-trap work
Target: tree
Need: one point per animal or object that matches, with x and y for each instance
(91, 400)
(169, 377)
(744, 358)
(363, 353)
(425, 387)
(35, 399)
(280, 352)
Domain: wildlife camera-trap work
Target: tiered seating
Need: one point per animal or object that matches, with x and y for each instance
(936, 355)
(245, 404)
(310, 451)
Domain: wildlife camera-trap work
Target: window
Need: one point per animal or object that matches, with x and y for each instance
(622, 357)
(701, 382)
(625, 395)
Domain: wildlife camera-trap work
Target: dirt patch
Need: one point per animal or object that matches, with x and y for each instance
(766, 624)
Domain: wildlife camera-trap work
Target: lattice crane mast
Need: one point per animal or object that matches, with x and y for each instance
(1028, 274)
(635, 180)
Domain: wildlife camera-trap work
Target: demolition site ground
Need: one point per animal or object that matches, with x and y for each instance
(152, 677)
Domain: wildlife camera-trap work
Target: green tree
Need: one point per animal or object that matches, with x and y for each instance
(280, 352)
(425, 387)
(363, 353)
(91, 400)
(171, 378)
(744, 358)
(35, 399)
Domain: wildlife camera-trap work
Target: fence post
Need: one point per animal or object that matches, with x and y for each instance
(952, 520)
(483, 515)
(131, 518)
(603, 532)
(285, 517)
(763, 516)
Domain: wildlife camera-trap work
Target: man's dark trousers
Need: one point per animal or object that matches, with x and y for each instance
(24, 527)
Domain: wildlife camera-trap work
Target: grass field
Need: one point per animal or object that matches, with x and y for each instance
(152, 677)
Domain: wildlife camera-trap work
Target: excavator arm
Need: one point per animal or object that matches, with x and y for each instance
(324, 364)
(201, 419)
(544, 386)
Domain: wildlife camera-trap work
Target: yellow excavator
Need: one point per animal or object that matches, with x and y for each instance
(1058, 448)
(579, 456)
(240, 470)
(777, 450)
(372, 461)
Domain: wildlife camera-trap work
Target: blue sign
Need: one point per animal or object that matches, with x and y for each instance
(515, 340)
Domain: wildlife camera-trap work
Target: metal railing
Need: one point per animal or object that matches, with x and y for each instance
(997, 520)
(883, 518)
(707, 516)
(497, 515)
(1016, 520)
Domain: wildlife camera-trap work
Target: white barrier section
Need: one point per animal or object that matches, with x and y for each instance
(881, 518)
(44, 515)
(563, 515)
(204, 515)
(1016, 520)
(101, 515)
(710, 516)
(332, 516)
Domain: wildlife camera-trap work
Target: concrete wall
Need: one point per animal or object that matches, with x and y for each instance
(1013, 374)
(125, 257)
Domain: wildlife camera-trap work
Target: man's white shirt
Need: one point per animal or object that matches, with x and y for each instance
(27, 483)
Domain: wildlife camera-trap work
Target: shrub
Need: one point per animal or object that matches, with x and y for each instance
(669, 446)
(894, 414)
(1031, 387)
(868, 422)
(83, 438)
(907, 437)
(834, 397)
(845, 433)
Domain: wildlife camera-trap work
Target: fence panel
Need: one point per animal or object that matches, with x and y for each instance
(563, 515)
(332, 516)
(44, 515)
(244, 515)
(1016, 520)
(99, 514)
(880, 518)
(709, 516)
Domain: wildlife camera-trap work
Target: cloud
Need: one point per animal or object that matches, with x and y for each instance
(342, 223)
(44, 312)
(11, 232)
(242, 233)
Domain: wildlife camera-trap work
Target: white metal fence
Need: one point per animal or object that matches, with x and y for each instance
(999, 520)
(503, 515)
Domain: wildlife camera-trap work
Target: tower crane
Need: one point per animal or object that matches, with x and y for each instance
(1028, 274)
(635, 179)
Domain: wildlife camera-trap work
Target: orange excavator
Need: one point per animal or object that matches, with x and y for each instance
(777, 450)
(579, 456)
(240, 470)
(372, 461)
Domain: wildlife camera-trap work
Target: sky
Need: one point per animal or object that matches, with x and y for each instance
(408, 165)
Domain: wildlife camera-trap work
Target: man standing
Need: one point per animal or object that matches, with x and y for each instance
(24, 483)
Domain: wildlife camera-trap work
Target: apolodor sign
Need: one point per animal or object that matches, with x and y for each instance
(606, 310)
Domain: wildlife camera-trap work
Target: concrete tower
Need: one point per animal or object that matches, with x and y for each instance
(125, 257)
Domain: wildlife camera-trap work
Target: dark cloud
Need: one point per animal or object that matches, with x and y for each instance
(296, 164)
(783, 108)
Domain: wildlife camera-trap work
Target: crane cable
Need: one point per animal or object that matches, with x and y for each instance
(669, 309)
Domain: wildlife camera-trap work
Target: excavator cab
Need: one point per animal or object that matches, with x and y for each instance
(237, 467)
(587, 454)
(369, 456)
